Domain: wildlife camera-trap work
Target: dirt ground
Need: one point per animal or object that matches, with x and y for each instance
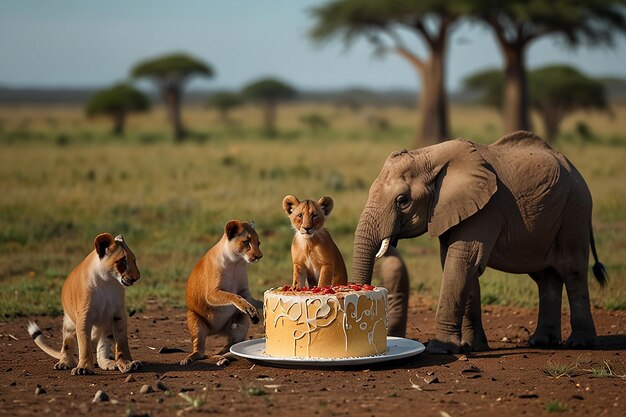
(511, 379)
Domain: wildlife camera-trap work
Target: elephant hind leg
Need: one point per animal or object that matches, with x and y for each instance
(396, 281)
(583, 330)
(550, 287)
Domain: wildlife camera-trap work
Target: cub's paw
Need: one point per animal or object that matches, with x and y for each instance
(82, 371)
(222, 361)
(62, 366)
(251, 311)
(129, 366)
(195, 356)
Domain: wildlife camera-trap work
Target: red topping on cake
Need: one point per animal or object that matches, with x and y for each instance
(329, 289)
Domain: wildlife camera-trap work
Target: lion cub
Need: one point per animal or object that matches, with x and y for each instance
(316, 258)
(94, 310)
(218, 299)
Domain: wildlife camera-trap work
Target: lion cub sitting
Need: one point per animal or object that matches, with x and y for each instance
(316, 258)
(94, 310)
(218, 299)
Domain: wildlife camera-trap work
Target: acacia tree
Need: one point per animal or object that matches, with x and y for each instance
(116, 102)
(559, 90)
(269, 92)
(169, 73)
(381, 21)
(224, 102)
(518, 23)
(555, 92)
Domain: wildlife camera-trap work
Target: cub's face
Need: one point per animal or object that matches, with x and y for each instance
(243, 241)
(117, 259)
(307, 216)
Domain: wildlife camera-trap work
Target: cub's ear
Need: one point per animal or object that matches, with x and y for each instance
(102, 242)
(327, 204)
(289, 203)
(233, 228)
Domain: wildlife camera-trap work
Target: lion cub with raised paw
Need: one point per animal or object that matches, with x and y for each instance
(94, 310)
(217, 296)
(316, 258)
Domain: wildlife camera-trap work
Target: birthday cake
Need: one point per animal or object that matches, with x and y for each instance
(339, 321)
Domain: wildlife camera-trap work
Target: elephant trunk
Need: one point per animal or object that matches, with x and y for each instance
(366, 243)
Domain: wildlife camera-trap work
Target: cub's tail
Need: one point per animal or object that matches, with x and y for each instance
(40, 340)
(599, 271)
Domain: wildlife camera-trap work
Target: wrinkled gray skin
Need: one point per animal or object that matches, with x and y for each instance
(516, 206)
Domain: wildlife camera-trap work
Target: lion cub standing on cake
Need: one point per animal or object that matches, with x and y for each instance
(94, 310)
(217, 296)
(316, 258)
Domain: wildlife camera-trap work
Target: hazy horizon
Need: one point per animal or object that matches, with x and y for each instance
(76, 44)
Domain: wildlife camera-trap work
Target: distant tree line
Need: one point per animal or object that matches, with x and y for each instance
(170, 73)
(516, 24)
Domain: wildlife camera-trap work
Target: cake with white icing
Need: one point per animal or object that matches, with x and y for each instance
(339, 321)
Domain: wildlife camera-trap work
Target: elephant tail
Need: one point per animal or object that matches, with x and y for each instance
(599, 271)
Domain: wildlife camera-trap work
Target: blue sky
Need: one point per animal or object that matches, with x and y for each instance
(95, 43)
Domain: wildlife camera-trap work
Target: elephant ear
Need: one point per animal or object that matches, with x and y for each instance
(464, 185)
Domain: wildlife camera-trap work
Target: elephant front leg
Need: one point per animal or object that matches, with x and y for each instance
(474, 336)
(460, 273)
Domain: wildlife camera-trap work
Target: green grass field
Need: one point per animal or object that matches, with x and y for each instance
(64, 179)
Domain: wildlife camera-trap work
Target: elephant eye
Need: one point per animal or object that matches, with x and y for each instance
(402, 201)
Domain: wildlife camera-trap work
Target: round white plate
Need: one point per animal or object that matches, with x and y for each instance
(397, 348)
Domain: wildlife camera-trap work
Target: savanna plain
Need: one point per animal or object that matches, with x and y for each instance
(65, 178)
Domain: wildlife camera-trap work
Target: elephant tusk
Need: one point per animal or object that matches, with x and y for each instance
(383, 248)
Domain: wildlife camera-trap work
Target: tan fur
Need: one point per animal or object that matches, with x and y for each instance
(217, 296)
(316, 258)
(94, 310)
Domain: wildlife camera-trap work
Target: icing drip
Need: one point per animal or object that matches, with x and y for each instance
(308, 314)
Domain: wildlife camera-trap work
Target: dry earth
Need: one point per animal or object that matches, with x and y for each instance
(511, 379)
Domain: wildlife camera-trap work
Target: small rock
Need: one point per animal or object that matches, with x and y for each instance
(431, 380)
(160, 385)
(129, 378)
(146, 389)
(39, 390)
(165, 350)
(100, 397)
(505, 339)
(463, 358)
(471, 369)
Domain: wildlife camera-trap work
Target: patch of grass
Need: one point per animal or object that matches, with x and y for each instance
(255, 391)
(603, 371)
(615, 304)
(558, 370)
(193, 402)
(556, 407)
(65, 179)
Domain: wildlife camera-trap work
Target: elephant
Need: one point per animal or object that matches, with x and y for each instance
(516, 206)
